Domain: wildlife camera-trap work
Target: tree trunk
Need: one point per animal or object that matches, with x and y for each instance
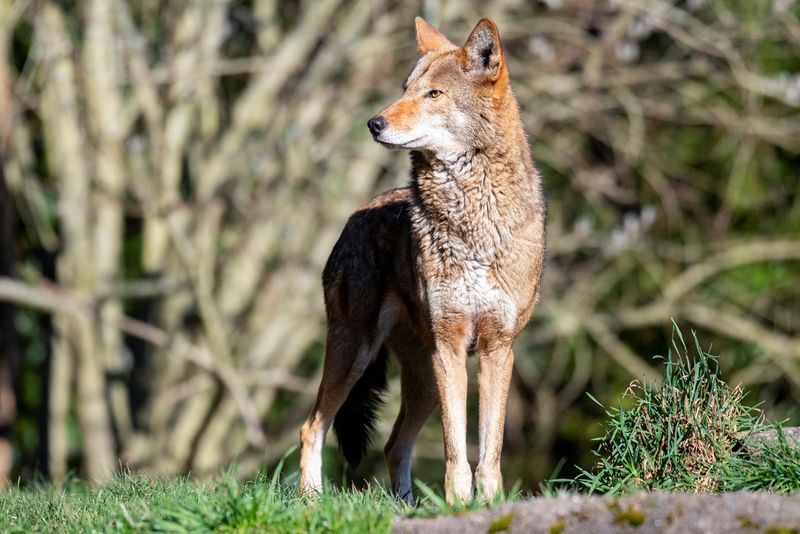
(9, 351)
(65, 142)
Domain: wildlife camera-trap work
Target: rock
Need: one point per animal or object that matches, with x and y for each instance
(739, 512)
(792, 434)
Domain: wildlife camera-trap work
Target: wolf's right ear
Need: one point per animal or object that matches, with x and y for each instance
(483, 51)
(428, 37)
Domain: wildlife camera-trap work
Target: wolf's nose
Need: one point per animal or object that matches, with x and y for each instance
(376, 125)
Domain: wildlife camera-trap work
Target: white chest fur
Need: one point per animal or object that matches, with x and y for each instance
(473, 295)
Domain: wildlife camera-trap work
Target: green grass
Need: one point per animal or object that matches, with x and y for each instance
(140, 504)
(772, 466)
(690, 432)
(134, 503)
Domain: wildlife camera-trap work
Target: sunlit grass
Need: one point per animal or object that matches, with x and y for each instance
(263, 504)
(139, 504)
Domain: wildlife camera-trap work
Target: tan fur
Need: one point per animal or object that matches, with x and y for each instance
(449, 264)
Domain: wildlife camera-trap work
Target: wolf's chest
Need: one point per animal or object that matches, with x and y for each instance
(473, 293)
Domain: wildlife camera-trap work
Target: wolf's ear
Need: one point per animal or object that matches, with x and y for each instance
(428, 37)
(484, 53)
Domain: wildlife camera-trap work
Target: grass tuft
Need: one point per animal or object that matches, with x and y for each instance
(691, 432)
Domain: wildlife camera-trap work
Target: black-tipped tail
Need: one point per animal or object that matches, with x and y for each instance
(355, 421)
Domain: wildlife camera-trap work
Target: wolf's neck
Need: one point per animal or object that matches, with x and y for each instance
(477, 197)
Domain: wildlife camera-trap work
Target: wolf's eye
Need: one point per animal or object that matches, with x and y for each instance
(433, 93)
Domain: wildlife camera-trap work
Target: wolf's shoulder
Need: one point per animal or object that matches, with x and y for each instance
(398, 197)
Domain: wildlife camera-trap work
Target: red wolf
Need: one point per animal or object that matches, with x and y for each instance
(449, 265)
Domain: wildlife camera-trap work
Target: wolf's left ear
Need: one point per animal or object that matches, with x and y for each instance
(428, 37)
(484, 53)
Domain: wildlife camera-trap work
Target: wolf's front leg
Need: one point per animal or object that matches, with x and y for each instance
(494, 377)
(450, 372)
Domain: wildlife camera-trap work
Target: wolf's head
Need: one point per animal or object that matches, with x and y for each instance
(454, 97)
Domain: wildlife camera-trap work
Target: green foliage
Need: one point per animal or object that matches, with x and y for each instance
(691, 432)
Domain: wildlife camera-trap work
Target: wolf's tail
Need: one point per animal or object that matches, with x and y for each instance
(355, 421)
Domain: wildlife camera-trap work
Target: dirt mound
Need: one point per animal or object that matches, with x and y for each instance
(744, 512)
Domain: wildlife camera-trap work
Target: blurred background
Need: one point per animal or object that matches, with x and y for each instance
(174, 174)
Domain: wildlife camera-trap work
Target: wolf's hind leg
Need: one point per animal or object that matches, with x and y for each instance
(346, 359)
(419, 399)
